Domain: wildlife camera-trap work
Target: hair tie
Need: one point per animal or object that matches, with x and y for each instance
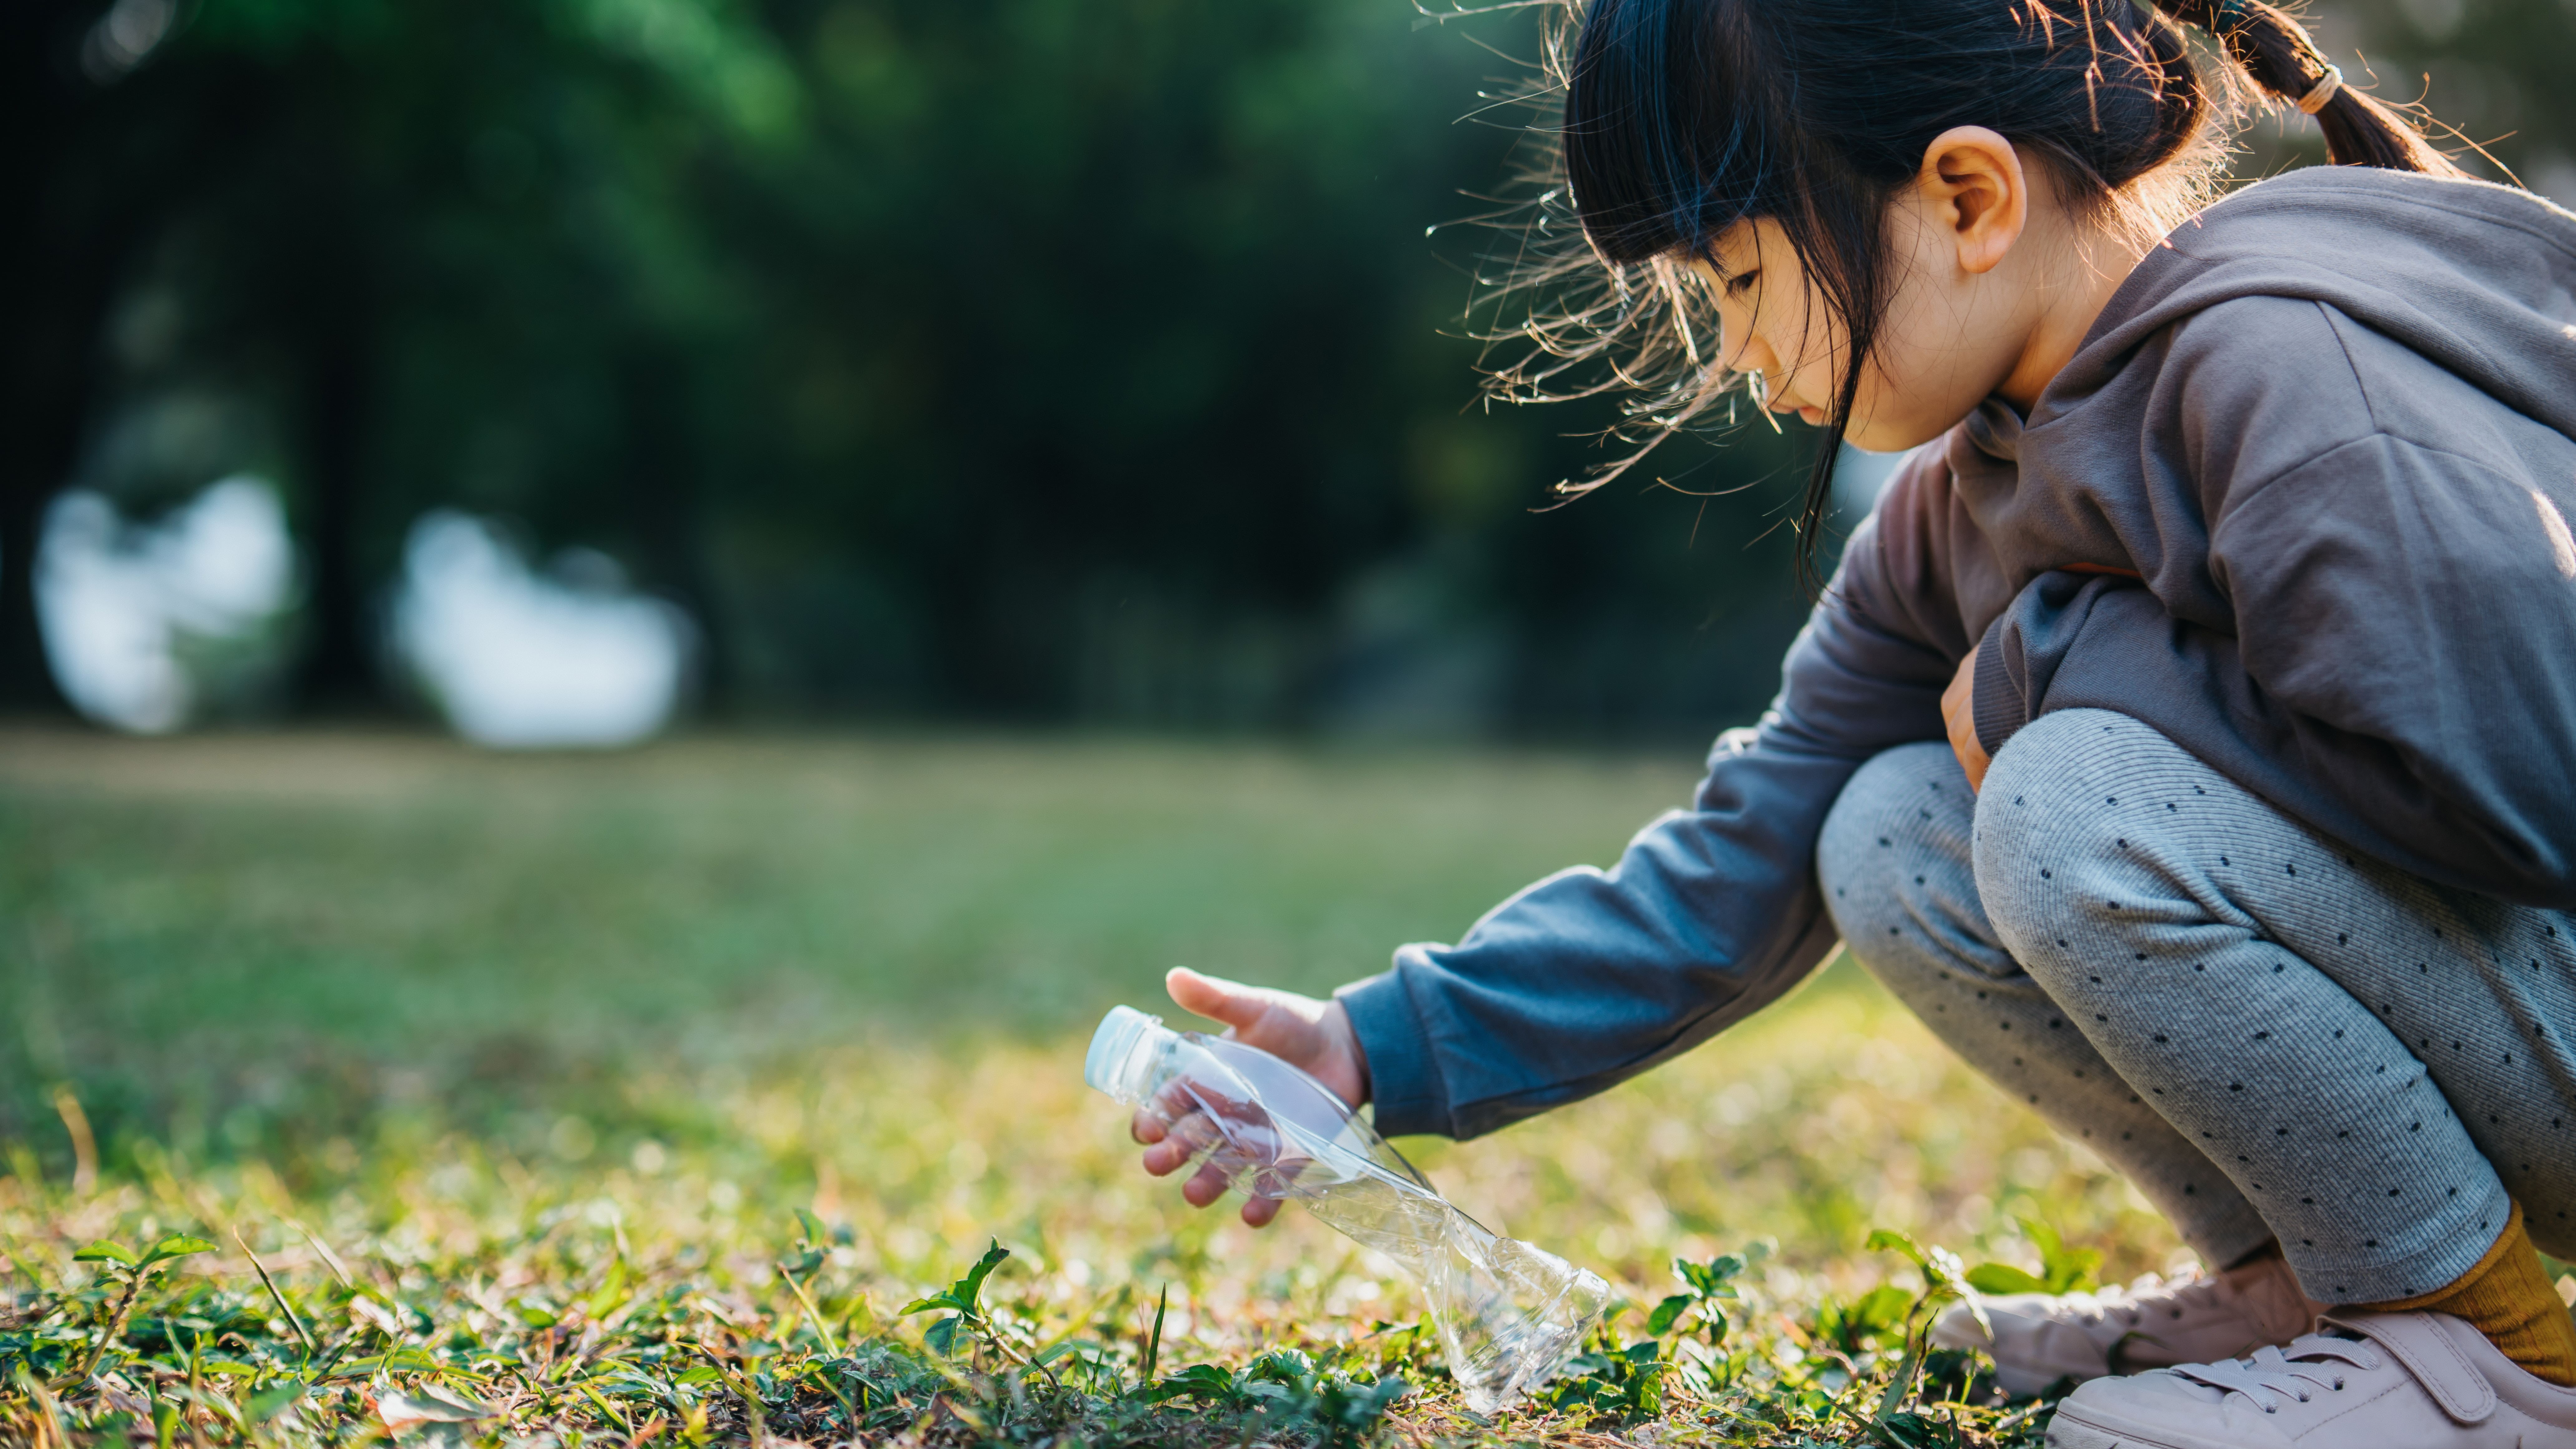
(2323, 91)
(2226, 18)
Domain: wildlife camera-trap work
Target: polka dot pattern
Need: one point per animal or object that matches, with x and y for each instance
(1894, 861)
(2255, 975)
(2271, 1035)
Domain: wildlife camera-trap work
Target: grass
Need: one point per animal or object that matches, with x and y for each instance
(633, 1099)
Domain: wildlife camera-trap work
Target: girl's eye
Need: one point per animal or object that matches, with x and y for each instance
(1742, 282)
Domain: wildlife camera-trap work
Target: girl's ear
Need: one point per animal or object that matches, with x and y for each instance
(1973, 188)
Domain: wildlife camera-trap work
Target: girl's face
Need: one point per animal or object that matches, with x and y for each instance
(1994, 287)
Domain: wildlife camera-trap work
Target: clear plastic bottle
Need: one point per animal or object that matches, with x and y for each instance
(1509, 1315)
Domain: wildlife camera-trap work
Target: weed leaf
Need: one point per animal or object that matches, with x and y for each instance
(2005, 1278)
(961, 1295)
(1668, 1313)
(2065, 1269)
(175, 1246)
(973, 1283)
(1889, 1240)
(1198, 1381)
(1154, 1345)
(943, 1335)
(1710, 1279)
(2062, 1269)
(426, 1406)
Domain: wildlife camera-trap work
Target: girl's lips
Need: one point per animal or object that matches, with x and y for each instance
(1782, 403)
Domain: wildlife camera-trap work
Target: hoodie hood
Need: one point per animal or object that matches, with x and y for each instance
(2476, 277)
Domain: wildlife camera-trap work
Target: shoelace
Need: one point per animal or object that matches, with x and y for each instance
(2275, 1376)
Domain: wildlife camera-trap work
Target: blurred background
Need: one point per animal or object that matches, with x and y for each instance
(538, 363)
(1021, 460)
(546, 366)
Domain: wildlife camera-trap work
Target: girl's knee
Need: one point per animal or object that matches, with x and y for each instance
(1902, 821)
(2072, 832)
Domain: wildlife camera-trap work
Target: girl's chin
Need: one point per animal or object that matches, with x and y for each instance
(1884, 439)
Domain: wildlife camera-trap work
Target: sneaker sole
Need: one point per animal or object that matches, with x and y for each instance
(2069, 1429)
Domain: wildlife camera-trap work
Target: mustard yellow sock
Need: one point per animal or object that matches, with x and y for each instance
(2509, 1298)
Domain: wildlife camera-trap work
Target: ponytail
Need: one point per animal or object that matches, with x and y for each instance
(2276, 54)
(1684, 117)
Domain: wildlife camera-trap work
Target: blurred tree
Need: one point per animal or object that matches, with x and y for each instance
(90, 172)
(1021, 359)
(2491, 71)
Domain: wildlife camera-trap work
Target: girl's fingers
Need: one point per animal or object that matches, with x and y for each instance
(1281, 1023)
(1203, 1188)
(1180, 1143)
(1215, 998)
(1257, 1212)
(1147, 1128)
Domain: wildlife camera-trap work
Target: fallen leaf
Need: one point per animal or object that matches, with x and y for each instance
(401, 1411)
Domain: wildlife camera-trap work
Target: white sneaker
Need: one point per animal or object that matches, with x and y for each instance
(2399, 1381)
(2040, 1338)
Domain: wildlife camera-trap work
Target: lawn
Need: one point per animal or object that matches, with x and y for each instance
(635, 1097)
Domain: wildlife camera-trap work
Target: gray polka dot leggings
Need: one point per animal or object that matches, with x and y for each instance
(2273, 1036)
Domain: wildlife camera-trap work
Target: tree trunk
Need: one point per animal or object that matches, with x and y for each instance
(338, 672)
(664, 469)
(56, 275)
(26, 678)
(330, 303)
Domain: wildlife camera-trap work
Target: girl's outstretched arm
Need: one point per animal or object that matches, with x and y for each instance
(1589, 976)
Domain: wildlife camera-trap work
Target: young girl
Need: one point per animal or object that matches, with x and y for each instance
(2190, 735)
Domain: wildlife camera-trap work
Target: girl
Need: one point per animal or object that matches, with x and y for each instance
(2189, 737)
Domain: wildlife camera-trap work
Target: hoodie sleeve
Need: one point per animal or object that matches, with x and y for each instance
(1589, 976)
(2404, 676)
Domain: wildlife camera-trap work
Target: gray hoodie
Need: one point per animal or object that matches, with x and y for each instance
(2301, 501)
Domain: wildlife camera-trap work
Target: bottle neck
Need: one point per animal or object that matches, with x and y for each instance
(1127, 1054)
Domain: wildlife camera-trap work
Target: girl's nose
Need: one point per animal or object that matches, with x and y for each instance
(1739, 350)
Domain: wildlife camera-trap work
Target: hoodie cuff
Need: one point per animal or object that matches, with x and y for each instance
(1997, 703)
(1404, 1086)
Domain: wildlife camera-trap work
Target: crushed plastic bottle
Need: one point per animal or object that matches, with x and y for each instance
(1509, 1315)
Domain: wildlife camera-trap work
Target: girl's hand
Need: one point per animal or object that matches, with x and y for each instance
(1313, 1035)
(1959, 714)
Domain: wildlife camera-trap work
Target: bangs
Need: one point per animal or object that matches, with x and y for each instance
(1664, 135)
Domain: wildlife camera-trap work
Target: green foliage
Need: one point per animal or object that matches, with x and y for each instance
(1287, 1391)
(1704, 1287)
(752, 297)
(711, 1230)
(1861, 1372)
(2062, 1269)
(1628, 1382)
(606, 1338)
(123, 1264)
(960, 1297)
(1624, 1383)
(1863, 1322)
(178, 1245)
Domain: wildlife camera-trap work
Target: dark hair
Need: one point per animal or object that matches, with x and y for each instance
(1684, 117)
